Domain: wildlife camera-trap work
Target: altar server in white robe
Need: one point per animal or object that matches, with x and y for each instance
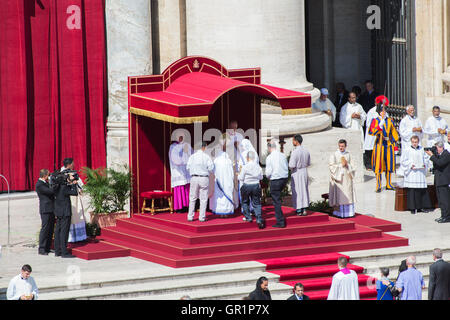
(179, 153)
(324, 105)
(77, 232)
(353, 116)
(344, 285)
(410, 126)
(342, 195)
(436, 128)
(414, 164)
(369, 140)
(298, 163)
(222, 202)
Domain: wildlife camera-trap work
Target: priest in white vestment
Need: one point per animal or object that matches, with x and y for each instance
(353, 116)
(369, 140)
(324, 105)
(299, 162)
(345, 285)
(179, 153)
(415, 164)
(233, 141)
(410, 126)
(222, 202)
(342, 195)
(436, 128)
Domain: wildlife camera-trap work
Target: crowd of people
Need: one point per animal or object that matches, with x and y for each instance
(230, 177)
(380, 138)
(408, 285)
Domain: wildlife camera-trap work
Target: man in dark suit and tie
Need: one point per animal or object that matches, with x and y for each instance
(367, 99)
(298, 293)
(341, 100)
(441, 169)
(46, 207)
(63, 212)
(439, 286)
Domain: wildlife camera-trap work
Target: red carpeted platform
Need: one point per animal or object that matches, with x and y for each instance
(315, 272)
(173, 241)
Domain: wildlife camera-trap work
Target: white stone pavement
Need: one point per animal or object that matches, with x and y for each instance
(422, 231)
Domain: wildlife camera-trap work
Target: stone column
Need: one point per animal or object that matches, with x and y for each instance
(129, 51)
(172, 31)
(254, 33)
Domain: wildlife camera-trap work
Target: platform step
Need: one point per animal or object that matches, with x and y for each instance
(221, 246)
(313, 272)
(148, 227)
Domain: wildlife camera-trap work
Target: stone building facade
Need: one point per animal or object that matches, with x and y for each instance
(328, 40)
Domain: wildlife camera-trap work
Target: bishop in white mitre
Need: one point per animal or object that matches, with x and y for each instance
(353, 116)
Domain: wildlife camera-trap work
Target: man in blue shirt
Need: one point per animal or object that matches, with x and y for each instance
(410, 282)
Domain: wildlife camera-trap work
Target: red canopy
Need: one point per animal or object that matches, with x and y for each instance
(187, 90)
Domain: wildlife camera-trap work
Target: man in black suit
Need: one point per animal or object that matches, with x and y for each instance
(63, 212)
(46, 207)
(441, 169)
(367, 99)
(298, 293)
(341, 99)
(439, 286)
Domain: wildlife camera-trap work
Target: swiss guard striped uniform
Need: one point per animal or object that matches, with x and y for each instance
(383, 156)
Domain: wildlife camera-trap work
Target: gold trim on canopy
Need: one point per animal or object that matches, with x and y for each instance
(167, 118)
(293, 112)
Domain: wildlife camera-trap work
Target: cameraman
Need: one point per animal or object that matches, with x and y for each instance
(441, 164)
(46, 207)
(64, 187)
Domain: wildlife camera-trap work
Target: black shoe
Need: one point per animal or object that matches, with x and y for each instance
(43, 253)
(390, 189)
(281, 226)
(378, 191)
(261, 225)
(68, 256)
(438, 219)
(413, 211)
(447, 220)
(299, 213)
(57, 254)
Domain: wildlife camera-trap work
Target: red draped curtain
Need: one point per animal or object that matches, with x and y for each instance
(53, 87)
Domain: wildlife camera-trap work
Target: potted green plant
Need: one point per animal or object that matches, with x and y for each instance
(109, 190)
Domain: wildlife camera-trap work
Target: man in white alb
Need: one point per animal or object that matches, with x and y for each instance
(353, 116)
(345, 284)
(436, 128)
(324, 105)
(414, 165)
(410, 126)
(22, 286)
(199, 166)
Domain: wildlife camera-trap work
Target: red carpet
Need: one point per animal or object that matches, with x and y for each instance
(316, 272)
(173, 241)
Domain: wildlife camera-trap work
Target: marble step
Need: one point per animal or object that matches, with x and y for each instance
(174, 287)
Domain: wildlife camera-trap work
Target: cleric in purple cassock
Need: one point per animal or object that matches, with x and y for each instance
(179, 153)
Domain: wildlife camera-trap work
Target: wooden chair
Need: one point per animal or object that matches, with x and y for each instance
(153, 195)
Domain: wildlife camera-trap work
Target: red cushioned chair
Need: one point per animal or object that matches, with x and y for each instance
(162, 195)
